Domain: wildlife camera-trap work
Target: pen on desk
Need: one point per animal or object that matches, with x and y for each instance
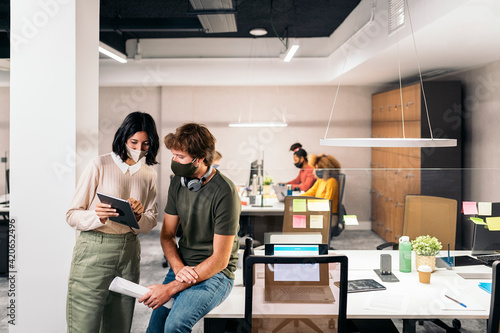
(454, 300)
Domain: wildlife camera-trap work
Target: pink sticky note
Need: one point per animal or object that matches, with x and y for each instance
(469, 207)
(299, 221)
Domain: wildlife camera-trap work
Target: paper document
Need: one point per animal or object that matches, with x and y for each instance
(129, 288)
(351, 220)
(387, 302)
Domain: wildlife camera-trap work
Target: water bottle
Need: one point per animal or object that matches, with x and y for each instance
(248, 251)
(289, 190)
(404, 254)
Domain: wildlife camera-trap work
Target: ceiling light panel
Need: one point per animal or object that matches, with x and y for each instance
(396, 15)
(215, 23)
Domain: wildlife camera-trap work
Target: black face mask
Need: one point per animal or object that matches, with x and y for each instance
(183, 170)
(320, 173)
(299, 164)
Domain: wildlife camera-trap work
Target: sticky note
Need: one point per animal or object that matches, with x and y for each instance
(351, 220)
(493, 223)
(318, 205)
(316, 221)
(299, 221)
(469, 208)
(484, 208)
(299, 205)
(478, 220)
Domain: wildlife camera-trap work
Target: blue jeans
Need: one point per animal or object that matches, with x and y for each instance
(190, 305)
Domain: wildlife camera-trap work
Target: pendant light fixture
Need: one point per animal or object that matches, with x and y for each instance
(389, 142)
(250, 123)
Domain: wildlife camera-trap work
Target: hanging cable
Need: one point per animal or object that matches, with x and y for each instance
(341, 75)
(420, 73)
(400, 86)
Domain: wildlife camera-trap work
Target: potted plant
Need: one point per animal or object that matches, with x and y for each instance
(426, 248)
(268, 180)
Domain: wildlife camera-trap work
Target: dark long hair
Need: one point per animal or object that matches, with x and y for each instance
(133, 123)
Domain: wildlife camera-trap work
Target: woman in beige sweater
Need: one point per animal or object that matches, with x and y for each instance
(106, 249)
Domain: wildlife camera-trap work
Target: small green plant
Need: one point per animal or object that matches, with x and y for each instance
(268, 180)
(426, 245)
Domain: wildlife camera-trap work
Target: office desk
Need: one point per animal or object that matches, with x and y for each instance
(420, 301)
(256, 221)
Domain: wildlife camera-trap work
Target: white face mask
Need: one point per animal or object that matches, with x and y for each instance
(136, 155)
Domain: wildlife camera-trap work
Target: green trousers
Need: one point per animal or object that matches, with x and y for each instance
(97, 259)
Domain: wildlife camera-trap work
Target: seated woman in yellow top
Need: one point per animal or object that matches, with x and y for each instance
(326, 186)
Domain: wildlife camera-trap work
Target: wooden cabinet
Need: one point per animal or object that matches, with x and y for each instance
(397, 172)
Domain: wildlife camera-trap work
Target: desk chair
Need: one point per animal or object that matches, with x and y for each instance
(494, 319)
(315, 221)
(259, 313)
(428, 215)
(338, 224)
(434, 216)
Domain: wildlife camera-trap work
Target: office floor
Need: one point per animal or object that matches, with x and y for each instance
(152, 272)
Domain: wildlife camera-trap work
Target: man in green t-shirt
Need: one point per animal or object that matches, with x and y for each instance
(207, 206)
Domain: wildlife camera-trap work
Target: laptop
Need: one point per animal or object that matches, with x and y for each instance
(280, 192)
(297, 283)
(486, 245)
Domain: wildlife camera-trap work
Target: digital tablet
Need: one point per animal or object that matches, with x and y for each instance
(122, 207)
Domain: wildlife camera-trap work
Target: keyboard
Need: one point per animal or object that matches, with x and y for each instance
(489, 259)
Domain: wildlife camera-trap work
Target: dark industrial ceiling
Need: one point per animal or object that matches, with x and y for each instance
(121, 20)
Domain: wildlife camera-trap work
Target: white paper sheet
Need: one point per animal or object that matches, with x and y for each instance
(129, 288)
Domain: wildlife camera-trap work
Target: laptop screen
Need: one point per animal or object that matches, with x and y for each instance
(485, 241)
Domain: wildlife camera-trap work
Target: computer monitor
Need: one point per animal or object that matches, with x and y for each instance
(256, 168)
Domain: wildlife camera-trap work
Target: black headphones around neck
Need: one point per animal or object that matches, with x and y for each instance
(194, 184)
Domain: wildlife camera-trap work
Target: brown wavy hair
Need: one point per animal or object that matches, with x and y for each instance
(326, 162)
(195, 139)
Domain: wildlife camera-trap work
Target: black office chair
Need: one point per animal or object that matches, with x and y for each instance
(338, 224)
(257, 313)
(494, 319)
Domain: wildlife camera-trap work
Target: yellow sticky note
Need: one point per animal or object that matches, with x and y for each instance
(351, 220)
(316, 221)
(299, 221)
(493, 223)
(484, 208)
(478, 220)
(318, 205)
(299, 205)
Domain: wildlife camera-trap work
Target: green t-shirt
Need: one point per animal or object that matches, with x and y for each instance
(214, 209)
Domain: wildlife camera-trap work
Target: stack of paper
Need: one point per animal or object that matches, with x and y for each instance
(129, 288)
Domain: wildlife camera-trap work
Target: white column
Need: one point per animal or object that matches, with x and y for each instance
(48, 56)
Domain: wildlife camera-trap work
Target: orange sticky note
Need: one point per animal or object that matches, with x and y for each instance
(469, 207)
(299, 221)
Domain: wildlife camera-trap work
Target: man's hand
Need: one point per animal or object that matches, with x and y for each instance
(186, 274)
(158, 295)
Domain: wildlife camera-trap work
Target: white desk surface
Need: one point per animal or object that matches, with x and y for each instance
(273, 208)
(422, 300)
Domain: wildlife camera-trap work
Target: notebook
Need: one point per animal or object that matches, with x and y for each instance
(297, 283)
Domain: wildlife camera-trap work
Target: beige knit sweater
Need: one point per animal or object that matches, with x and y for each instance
(109, 175)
